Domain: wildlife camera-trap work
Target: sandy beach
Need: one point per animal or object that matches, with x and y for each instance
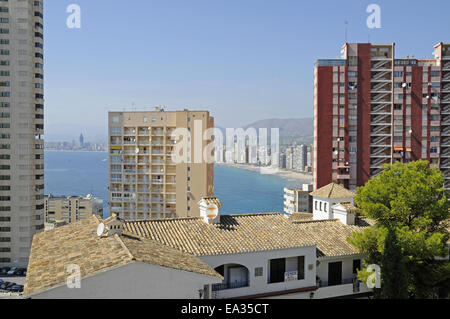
(304, 177)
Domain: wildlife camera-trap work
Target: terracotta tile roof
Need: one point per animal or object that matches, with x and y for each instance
(212, 200)
(349, 207)
(333, 191)
(78, 244)
(149, 251)
(330, 237)
(234, 234)
(301, 216)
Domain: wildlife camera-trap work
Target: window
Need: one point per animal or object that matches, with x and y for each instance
(356, 265)
(352, 61)
(301, 268)
(277, 270)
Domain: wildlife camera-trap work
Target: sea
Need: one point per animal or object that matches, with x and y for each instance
(240, 191)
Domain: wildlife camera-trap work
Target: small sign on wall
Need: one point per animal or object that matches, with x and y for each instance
(291, 276)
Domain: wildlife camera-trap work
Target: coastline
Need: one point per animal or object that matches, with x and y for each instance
(75, 151)
(304, 177)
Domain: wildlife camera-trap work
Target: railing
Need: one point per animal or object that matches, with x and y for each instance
(343, 282)
(226, 286)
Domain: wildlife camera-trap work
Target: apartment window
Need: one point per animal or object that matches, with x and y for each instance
(434, 150)
(398, 74)
(435, 139)
(398, 107)
(435, 117)
(352, 61)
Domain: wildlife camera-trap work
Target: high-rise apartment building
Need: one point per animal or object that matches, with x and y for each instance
(298, 200)
(144, 180)
(71, 209)
(371, 108)
(300, 157)
(21, 128)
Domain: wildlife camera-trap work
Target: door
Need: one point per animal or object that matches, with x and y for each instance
(335, 273)
(277, 270)
(237, 277)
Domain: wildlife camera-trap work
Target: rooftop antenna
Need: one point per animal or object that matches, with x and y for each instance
(346, 31)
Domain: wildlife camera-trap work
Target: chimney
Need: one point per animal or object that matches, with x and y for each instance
(114, 225)
(210, 210)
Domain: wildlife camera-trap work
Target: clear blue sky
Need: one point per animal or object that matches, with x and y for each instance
(244, 60)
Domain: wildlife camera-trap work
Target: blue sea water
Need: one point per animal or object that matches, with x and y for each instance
(241, 191)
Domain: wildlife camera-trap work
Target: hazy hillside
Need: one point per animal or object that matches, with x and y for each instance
(291, 130)
(299, 130)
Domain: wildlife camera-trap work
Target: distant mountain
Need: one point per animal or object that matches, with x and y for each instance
(291, 130)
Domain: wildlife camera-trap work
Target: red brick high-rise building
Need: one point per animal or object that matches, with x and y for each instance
(371, 108)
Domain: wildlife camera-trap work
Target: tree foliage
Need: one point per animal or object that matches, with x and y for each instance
(410, 207)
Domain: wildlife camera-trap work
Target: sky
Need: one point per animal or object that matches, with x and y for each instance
(243, 60)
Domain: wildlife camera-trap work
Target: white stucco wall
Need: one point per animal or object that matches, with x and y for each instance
(260, 285)
(347, 267)
(135, 281)
(321, 214)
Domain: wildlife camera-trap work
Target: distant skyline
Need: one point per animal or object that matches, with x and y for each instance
(242, 60)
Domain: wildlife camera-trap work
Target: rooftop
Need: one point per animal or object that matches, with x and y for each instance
(249, 233)
(234, 234)
(53, 251)
(333, 191)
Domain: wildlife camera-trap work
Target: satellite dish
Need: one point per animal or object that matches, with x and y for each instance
(404, 85)
(212, 211)
(100, 229)
(136, 150)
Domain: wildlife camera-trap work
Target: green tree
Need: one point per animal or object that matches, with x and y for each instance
(394, 277)
(409, 204)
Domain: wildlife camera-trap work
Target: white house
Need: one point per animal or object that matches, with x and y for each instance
(109, 264)
(236, 256)
(334, 202)
(267, 255)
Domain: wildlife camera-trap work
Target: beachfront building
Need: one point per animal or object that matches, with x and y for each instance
(298, 200)
(235, 256)
(144, 180)
(21, 128)
(371, 109)
(300, 158)
(71, 209)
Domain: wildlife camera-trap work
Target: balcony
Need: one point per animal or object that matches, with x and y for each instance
(226, 286)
